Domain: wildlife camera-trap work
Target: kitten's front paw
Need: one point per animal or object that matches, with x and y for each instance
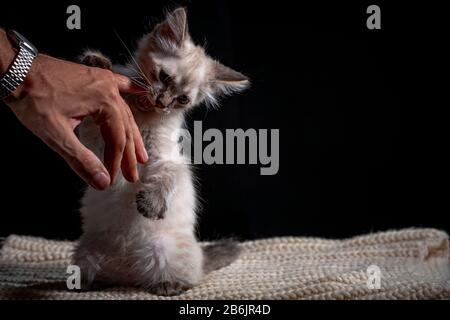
(151, 204)
(96, 59)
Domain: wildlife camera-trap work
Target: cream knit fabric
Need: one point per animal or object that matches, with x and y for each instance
(413, 264)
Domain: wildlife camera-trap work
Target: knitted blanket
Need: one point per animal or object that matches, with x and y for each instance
(405, 264)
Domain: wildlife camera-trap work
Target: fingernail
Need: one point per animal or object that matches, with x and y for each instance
(100, 181)
(136, 176)
(144, 154)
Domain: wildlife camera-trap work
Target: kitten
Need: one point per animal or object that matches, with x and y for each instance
(143, 234)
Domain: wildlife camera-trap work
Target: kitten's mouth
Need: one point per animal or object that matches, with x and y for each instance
(145, 104)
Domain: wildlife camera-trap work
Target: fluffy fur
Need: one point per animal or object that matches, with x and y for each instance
(143, 234)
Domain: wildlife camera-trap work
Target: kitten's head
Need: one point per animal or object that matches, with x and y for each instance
(179, 73)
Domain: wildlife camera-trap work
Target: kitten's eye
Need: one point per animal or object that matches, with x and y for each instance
(163, 76)
(183, 99)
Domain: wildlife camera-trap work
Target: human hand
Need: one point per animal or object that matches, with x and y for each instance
(54, 98)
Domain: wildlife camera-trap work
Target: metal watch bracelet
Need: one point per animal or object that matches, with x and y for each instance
(16, 72)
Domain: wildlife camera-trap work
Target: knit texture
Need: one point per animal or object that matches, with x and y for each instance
(413, 264)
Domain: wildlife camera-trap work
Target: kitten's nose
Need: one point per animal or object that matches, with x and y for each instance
(163, 100)
(158, 100)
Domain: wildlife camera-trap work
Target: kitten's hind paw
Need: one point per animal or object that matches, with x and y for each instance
(96, 59)
(151, 204)
(169, 288)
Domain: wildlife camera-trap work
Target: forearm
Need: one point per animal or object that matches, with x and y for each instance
(7, 52)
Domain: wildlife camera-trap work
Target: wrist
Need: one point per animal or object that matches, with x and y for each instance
(25, 88)
(12, 80)
(7, 52)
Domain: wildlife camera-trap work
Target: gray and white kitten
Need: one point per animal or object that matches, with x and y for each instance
(143, 234)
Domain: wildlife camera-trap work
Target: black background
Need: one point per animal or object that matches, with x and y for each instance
(360, 150)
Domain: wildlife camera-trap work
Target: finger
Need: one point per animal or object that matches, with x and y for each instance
(83, 161)
(113, 132)
(129, 163)
(125, 85)
(141, 152)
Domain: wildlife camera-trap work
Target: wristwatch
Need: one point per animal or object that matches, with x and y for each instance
(20, 66)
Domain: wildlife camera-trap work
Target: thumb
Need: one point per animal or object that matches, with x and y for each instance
(82, 160)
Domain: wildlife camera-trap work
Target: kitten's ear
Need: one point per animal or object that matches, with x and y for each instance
(226, 80)
(174, 29)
